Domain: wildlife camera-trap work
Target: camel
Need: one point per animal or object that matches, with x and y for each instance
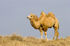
(44, 22)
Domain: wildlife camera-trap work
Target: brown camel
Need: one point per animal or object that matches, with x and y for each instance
(44, 22)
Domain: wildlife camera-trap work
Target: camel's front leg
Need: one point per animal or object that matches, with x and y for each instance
(45, 35)
(45, 32)
(41, 32)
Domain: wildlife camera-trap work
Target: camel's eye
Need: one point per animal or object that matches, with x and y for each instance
(31, 16)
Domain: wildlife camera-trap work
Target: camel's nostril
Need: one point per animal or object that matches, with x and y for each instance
(27, 17)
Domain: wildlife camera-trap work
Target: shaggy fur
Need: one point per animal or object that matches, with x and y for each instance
(44, 22)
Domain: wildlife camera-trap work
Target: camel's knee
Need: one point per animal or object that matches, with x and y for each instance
(45, 33)
(57, 34)
(41, 32)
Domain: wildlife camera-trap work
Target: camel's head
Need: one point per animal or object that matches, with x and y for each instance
(32, 16)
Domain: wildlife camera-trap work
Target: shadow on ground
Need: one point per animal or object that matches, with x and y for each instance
(16, 40)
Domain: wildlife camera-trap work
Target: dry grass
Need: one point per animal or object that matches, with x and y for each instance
(16, 40)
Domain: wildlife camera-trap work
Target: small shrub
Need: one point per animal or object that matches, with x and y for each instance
(16, 37)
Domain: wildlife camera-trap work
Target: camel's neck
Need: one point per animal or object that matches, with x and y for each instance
(34, 23)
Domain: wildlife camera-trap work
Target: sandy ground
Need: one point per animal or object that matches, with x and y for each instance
(16, 40)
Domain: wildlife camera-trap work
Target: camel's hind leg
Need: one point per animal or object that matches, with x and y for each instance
(56, 33)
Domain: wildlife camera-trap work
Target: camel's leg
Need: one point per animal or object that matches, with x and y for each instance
(45, 32)
(41, 32)
(45, 35)
(56, 34)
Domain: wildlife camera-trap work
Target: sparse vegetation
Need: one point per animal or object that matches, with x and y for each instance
(16, 40)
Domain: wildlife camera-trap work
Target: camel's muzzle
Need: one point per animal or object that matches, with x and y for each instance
(28, 17)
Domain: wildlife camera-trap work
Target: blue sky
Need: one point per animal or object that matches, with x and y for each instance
(13, 15)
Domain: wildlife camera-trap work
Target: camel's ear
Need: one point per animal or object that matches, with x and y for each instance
(32, 14)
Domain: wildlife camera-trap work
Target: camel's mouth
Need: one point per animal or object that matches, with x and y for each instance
(28, 17)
